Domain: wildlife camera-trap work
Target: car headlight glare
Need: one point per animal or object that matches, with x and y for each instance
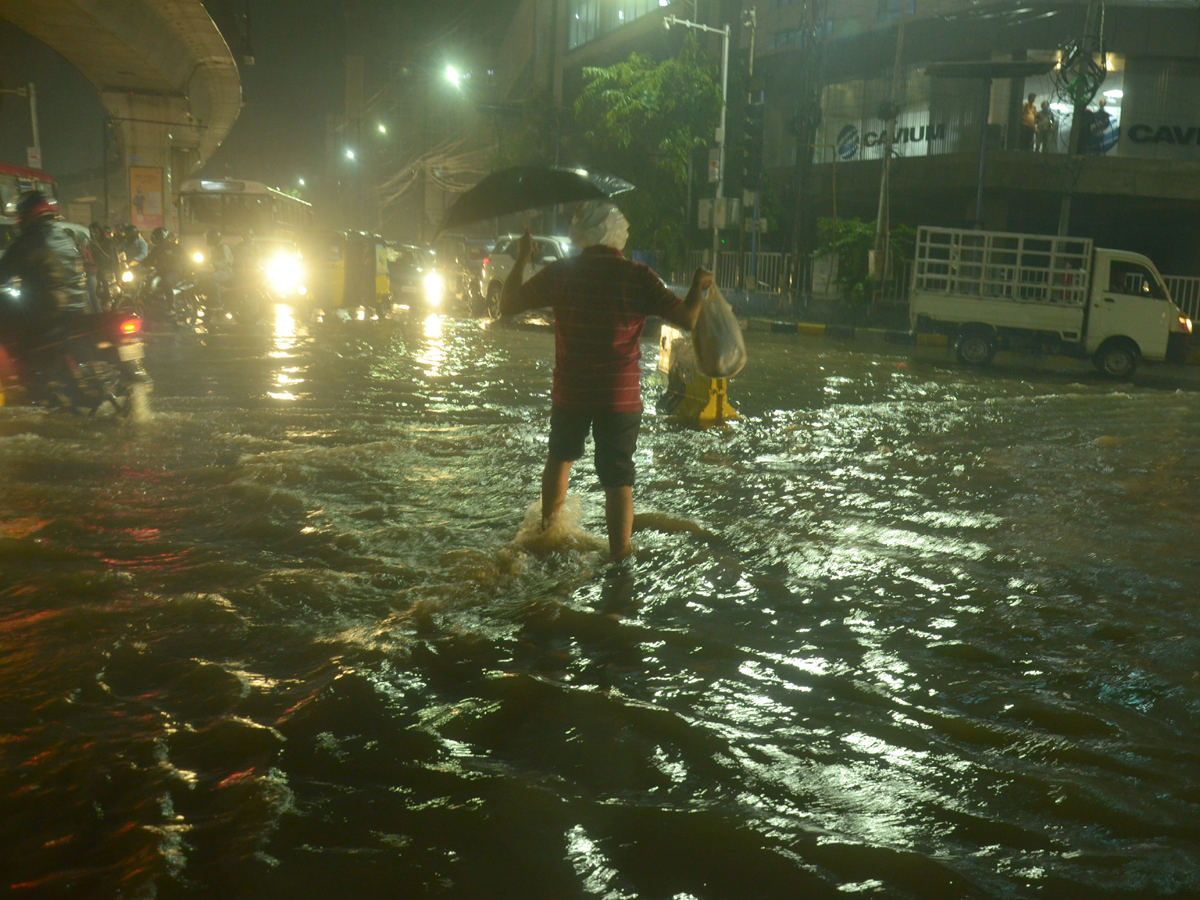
(284, 273)
(435, 288)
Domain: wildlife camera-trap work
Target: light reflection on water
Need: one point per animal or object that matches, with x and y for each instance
(903, 630)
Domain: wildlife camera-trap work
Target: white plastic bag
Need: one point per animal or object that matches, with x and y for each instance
(717, 338)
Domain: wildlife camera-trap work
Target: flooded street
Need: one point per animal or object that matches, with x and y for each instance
(906, 630)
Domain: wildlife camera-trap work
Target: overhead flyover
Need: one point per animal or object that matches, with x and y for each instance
(164, 73)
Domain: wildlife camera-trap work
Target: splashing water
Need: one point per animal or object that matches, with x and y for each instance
(139, 403)
(564, 533)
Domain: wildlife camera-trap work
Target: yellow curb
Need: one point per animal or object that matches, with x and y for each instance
(810, 328)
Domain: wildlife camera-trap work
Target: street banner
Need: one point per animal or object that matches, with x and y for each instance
(145, 197)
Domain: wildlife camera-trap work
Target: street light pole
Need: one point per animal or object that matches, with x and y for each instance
(668, 21)
(31, 92)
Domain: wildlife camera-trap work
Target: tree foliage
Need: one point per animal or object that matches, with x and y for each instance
(850, 240)
(642, 121)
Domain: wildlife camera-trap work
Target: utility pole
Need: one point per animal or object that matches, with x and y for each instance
(808, 115)
(889, 112)
(752, 152)
(1082, 76)
(34, 154)
(668, 21)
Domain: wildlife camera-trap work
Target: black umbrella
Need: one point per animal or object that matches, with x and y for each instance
(527, 187)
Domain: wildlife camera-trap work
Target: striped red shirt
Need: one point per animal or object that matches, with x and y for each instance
(601, 301)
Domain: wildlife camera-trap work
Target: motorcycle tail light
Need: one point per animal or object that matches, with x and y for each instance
(486, 261)
(131, 326)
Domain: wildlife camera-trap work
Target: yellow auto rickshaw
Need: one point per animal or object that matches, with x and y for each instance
(348, 270)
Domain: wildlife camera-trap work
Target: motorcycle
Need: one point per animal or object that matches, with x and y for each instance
(95, 362)
(161, 300)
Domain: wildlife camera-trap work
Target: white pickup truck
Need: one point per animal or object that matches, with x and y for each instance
(990, 290)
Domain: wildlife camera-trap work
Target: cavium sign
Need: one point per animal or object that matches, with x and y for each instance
(849, 142)
(1142, 133)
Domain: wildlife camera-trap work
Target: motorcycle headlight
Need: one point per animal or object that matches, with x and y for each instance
(127, 276)
(284, 273)
(435, 288)
(197, 257)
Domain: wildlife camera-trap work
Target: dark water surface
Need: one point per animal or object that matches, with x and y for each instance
(906, 630)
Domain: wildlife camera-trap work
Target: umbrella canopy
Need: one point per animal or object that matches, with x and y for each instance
(526, 187)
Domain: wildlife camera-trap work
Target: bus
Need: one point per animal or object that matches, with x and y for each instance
(14, 181)
(235, 207)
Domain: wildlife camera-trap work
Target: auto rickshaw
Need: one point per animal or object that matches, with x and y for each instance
(348, 270)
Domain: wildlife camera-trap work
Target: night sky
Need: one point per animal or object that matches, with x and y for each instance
(296, 81)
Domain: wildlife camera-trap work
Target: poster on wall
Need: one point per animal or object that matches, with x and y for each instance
(145, 197)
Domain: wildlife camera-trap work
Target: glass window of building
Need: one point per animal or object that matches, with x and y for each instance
(589, 19)
(890, 9)
(784, 37)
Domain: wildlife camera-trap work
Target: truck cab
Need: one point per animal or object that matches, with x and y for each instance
(1130, 314)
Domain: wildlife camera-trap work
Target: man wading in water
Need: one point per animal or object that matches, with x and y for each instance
(601, 301)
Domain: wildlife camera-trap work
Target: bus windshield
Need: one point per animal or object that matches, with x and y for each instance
(229, 212)
(236, 207)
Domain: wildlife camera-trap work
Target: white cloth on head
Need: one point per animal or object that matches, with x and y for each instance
(599, 222)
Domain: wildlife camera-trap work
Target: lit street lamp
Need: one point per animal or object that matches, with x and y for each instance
(349, 154)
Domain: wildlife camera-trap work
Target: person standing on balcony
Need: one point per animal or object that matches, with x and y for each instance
(1047, 128)
(1029, 113)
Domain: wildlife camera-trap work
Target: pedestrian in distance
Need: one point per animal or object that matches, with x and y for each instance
(1029, 113)
(1099, 123)
(1047, 128)
(600, 301)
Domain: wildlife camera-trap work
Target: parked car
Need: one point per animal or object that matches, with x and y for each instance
(417, 281)
(499, 261)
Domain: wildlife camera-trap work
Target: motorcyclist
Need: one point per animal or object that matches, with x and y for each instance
(44, 256)
(221, 258)
(165, 257)
(133, 245)
(108, 263)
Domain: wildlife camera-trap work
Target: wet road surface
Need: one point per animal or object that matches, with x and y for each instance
(905, 630)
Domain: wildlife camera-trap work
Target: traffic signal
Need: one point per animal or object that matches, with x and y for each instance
(752, 146)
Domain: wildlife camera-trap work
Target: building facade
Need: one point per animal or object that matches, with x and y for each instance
(1136, 183)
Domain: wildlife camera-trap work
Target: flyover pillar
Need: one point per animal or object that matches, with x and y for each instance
(159, 147)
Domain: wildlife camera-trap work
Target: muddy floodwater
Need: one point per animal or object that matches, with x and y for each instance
(905, 630)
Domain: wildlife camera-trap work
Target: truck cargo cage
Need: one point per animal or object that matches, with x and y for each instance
(1043, 269)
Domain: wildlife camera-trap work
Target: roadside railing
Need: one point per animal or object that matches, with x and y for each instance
(764, 272)
(1185, 291)
(767, 272)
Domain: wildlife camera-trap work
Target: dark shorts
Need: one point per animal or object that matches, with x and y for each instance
(615, 433)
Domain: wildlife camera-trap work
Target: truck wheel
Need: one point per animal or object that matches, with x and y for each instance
(975, 347)
(1117, 359)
